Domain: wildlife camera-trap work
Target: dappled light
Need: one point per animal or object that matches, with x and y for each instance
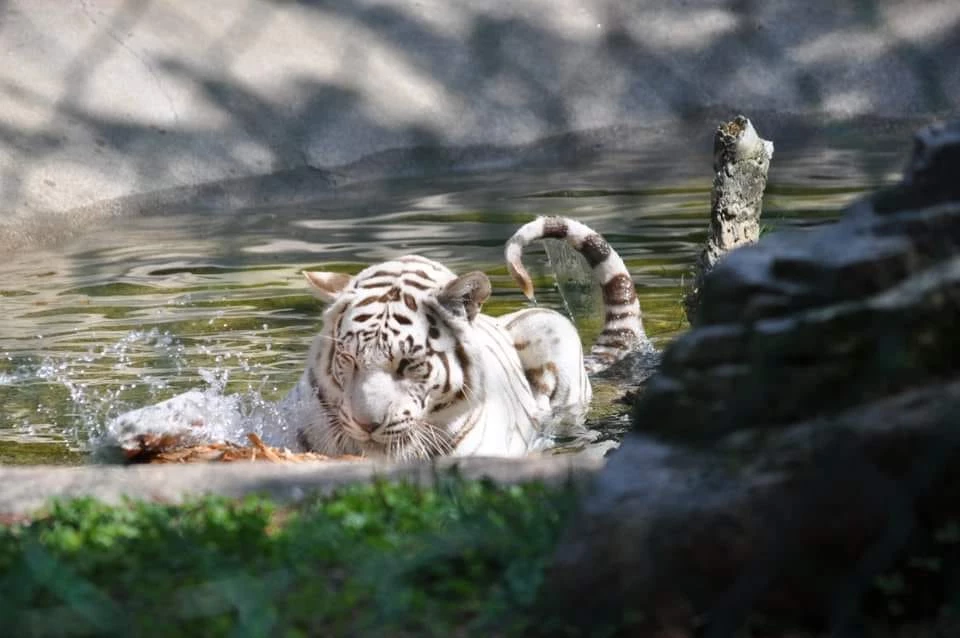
(128, 98)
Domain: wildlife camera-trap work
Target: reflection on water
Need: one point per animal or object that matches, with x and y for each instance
(147, 307)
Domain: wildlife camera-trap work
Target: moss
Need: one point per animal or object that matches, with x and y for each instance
(34, 453)
(112, 289)
(499, 217)
(687, 187)
(607, 402)
(463, 557)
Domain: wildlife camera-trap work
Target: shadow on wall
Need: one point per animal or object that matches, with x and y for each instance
(109, 100)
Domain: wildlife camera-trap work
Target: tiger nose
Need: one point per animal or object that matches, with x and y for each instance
(366, 426)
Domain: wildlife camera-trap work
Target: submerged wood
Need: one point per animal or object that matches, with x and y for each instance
(172, 449)
(741, 159)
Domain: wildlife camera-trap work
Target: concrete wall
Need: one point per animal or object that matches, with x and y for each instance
(102, 100)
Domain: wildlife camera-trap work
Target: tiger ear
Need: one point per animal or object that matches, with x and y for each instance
(465, 295)
(326, 286)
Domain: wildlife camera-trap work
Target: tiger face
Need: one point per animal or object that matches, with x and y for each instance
(392, 367)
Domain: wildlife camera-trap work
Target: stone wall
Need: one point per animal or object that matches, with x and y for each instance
(113, 107)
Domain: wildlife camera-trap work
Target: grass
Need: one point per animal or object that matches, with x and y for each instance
(387, 559)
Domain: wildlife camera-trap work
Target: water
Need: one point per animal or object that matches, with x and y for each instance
(146, 307)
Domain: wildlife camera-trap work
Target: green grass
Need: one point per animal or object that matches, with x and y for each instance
(387, 559)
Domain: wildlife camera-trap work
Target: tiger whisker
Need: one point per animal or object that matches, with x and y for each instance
(330, 439)
(393, 448)
(469, 393)
(420, 442)
(335, 340)
(413, 446)
(434, 440)
(411, 451)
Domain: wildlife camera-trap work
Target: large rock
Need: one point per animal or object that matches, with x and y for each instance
(801, 443)
(808, 323)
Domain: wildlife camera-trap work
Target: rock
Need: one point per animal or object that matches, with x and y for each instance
(796, 525)
(798, 444)
(811, 322)
(26, 489)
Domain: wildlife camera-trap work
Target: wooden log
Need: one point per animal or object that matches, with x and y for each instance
(741, 159)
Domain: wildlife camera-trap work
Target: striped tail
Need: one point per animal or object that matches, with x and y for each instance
(622, 327)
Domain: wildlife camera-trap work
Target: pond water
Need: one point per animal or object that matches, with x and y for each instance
(145, 307)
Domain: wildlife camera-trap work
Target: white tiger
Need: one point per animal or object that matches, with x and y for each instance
(406, 366)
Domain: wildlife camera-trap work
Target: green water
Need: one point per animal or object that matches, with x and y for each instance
(142, 308)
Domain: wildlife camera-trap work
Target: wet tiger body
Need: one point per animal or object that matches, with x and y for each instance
(406, 365)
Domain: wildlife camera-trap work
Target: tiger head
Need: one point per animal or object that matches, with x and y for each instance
(392, 366)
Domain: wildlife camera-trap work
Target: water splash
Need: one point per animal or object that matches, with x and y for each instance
(77, 395)
(91, 400)
(572, 279)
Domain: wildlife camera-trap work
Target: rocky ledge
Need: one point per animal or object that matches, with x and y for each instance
(794, 462)
(24, 490)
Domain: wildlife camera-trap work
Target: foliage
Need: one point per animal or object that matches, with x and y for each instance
(461, 557)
